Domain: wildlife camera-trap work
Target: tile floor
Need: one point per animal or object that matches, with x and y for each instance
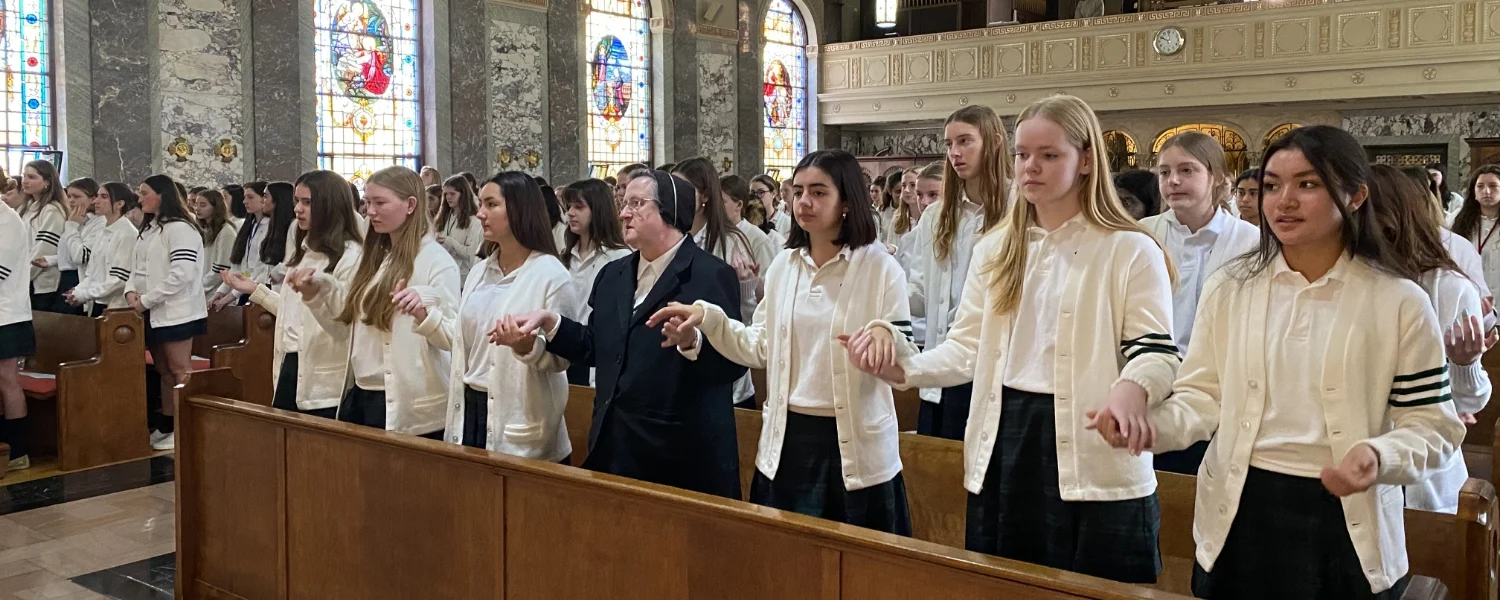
(102, 533)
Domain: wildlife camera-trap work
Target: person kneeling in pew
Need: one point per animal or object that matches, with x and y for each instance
(328, 251)
(658, 416)
(1323, 408)
(828, 445)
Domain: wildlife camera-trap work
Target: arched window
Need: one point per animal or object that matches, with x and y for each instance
(619, 92)
(1121, 149)
(26, 55)
(1233, 144)
(1276, 132)
(784, 87)
(369, 101)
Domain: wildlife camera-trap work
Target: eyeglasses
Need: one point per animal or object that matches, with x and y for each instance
(637, 205)
(759, 193)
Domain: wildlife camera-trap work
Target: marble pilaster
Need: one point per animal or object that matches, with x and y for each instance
(199, 89)
(683, 107)
(565, 134)
(718, 125)
(283, 92)
(74, 111)
(120, 51)
(749, 93)
(517, 95)
(469, 87)
(437, 110)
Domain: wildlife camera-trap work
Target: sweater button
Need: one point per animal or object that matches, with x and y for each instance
(993, 399)
(1254, 385)
(984, 437)
(1223, 510)
(1245, 425)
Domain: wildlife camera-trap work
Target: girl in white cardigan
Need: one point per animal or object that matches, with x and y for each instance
(166, 287)
(1455, 298)
(1067, 309)
(46, 215)
(1200, 235)
(261, 245)
(1319, 373)
(828, 446)
(976, 192)
(457, 228)
(499, 400)
(400, 375)
(219, 233)
(17, 336)
(111, 264)
(81, 234)
(327, 241)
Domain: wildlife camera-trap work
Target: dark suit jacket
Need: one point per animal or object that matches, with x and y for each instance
(658, 417)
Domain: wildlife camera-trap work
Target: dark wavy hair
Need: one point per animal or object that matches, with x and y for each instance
(858, 228)
(604, 222)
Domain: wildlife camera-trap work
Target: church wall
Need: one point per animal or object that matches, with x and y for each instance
(1423, 126)
(199, 90)
(718, 125)
(518, 103)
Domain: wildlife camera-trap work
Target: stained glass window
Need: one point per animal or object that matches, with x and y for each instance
(1121, 149)
(785, 87)
(619, 92)
(369, 103)
(26, 54)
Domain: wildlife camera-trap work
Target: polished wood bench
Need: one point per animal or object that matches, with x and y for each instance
(241, 339)
(273, 504)
(86, 389)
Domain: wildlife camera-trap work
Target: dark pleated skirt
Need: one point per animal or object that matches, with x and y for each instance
(17, 340)
(1020, 514)
(173, 333)
(366, 407)
(285, 397)
(809, 480)
(1288, 540)
(476, 417)
(947, 419)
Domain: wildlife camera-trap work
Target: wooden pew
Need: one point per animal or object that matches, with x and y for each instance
(242, 339)
(278, 505)
(578, 416)
(91, 411)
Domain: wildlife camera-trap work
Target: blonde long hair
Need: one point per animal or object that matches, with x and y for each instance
(994, 178)
(1099, 202)
(373, 298)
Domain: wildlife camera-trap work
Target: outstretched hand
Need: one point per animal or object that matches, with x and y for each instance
(303, 281)
(409, 301)
(873, 351)
(679, 324)
(519, 332)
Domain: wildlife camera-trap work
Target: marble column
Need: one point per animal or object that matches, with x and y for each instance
(199, 82)
(683, 107)
(121, 45)
(283, 89)
(565, 134)
(437, 123)
(73, 125)
(517, 89)
(749, 93)
(469, 87)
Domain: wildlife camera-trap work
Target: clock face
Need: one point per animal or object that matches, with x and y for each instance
(1168, 41)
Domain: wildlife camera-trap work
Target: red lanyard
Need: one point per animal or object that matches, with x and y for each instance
(1486, 239)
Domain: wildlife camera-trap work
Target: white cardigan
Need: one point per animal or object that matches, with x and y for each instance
(527, 394)
(416, 375)
(930, 281)
(46, 227)
(462, 243)
(250, 264)
(78, 243)
(168, 274)
(323, 353)
(864, 409)
(1237, 237)
(110, 268)
(1385, 338)
(1113, 325)
(1451, 294)
(15, 257)
(217, 258)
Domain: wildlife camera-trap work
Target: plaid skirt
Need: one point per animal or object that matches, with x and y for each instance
(810, 481)
(1184, 461)
(366, 407)
(948, 418)
(285, 396)
(1020, 514)
(17, 340)
(1288, 541)
(476, 417)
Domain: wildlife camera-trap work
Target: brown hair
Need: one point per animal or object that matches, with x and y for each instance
(366, 295)
(330, 220)
(996, 172)
(1466, 222)
(1404, 217)
(220, 217)
(467, 206)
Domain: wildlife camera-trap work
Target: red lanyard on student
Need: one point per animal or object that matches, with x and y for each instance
(1486, 239)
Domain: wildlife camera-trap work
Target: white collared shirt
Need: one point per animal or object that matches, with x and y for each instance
(1293, 436)
(1033, 342)
(814, 301)
(648, 272)
(585, 269)
(477, 316)
(1191, 251)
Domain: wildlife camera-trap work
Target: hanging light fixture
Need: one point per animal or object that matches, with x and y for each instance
(885, 14)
